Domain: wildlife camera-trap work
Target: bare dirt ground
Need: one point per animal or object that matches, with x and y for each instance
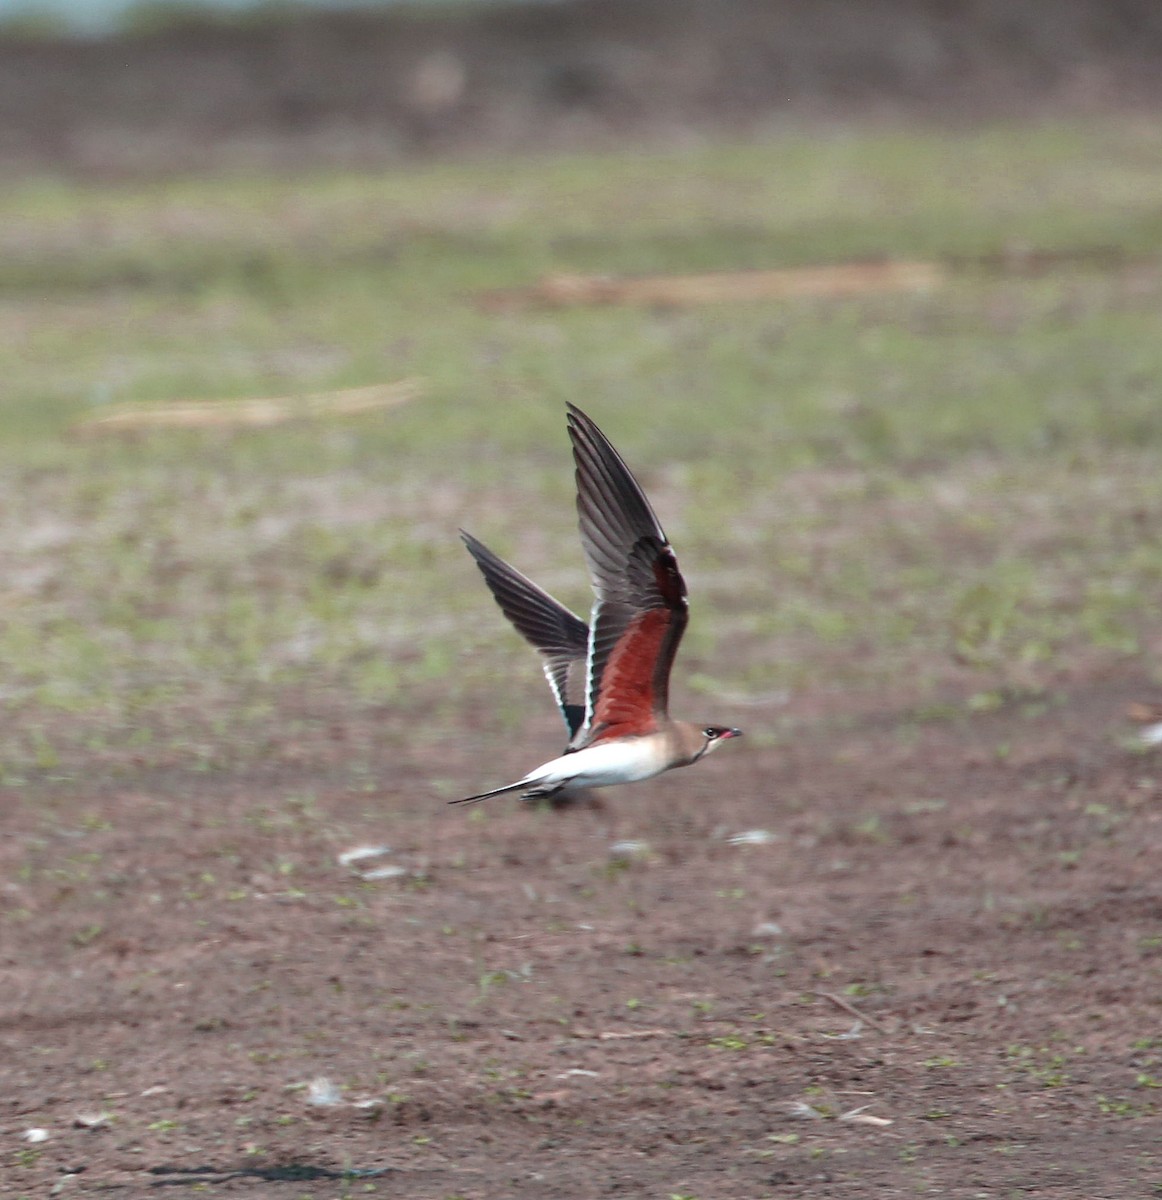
(942, 975)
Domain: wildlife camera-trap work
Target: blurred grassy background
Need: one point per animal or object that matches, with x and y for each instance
(926, 502)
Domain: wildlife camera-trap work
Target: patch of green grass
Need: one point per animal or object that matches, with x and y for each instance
(913, 492)
(1042, 1064)
(1119, 1106)
(729, 1041)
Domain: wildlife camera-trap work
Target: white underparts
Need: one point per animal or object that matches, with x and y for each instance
(603, 765)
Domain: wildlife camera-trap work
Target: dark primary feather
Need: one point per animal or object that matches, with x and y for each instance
(561, 637)
(641, 611)
(613, 511)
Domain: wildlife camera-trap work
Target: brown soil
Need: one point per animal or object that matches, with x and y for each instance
(958, 931)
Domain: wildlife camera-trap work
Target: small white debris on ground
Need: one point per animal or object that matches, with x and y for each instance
(753, 837)
(855, 1116)
(323, 1093)
(803, 1111)
(91, 1120)
(359, 853)
(629, 849)
(859, 1116)
(1151, 735)
(35, 1135)
(767, 929)
(390, 872)
(853, 1034)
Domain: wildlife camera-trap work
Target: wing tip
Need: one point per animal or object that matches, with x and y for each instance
(581, 424)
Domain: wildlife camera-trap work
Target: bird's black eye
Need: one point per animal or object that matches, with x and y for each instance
(711, 732)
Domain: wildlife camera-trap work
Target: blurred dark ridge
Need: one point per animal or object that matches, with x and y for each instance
(360, 87)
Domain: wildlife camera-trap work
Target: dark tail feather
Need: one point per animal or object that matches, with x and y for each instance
(508, 787)
(531, 792)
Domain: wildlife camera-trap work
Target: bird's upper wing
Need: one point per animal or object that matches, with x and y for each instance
(560, 636)
(640, 611)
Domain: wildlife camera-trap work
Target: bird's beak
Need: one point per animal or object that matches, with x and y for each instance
(732, 733)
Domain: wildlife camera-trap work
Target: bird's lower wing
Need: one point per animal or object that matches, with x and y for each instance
(560, 636)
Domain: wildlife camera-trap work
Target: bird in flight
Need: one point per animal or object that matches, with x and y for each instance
(611, 678)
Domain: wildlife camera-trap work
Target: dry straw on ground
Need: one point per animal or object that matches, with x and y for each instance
(721, 287)
(206, 414)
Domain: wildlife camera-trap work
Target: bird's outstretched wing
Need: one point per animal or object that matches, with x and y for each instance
(561, 637)
(640, 610)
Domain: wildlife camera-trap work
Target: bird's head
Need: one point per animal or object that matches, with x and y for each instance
(715, 735)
